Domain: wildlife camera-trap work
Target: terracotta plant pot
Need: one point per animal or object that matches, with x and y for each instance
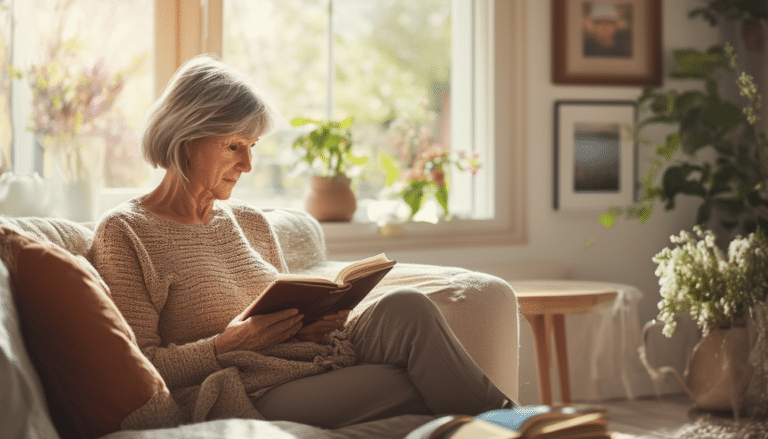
(330, 199)
(752, 34)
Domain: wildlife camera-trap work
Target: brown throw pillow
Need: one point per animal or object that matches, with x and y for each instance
(83, 349)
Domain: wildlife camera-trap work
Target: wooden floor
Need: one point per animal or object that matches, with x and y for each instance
(649, 417)
(660, 418)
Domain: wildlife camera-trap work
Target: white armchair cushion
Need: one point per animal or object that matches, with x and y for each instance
(74, 237)
(23, 409)
(300, 236)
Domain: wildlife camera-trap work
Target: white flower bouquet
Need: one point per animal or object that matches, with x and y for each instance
(717, 291)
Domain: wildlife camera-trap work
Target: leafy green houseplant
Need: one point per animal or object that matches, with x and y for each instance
(327, 152)
(732, 186)
(327, 149)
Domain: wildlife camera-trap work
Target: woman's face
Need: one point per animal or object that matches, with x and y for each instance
(216, 163)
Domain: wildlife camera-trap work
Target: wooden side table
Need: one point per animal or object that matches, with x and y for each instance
(545, 304)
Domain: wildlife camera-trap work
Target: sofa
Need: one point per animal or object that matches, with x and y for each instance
(480, 308)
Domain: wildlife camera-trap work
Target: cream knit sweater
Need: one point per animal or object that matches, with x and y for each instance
(179, 285)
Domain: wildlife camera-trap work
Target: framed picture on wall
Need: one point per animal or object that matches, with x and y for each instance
(595, 154)
(606, 42)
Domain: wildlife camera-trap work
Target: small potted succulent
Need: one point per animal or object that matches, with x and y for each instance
(327, 152)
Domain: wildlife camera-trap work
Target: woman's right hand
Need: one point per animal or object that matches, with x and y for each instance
(259, 331)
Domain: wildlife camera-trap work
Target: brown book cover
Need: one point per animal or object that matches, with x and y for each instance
(317, 296)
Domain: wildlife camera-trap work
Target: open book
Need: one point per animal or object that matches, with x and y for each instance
(529, 422)
(316, 296)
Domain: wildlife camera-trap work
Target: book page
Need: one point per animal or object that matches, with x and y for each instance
(304, 278)
(362, 267)
(588, 425)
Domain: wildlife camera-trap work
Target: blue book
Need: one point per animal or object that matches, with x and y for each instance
(555, 422)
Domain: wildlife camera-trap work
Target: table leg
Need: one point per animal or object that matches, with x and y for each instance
(542, 357)
(558, 321)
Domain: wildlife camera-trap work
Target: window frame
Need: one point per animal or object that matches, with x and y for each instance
(184, 29)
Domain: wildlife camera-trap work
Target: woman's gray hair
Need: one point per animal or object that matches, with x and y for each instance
(204, 98)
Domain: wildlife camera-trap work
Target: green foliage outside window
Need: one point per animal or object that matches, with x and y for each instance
(389, 58)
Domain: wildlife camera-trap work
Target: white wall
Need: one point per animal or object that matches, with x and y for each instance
(622, 254)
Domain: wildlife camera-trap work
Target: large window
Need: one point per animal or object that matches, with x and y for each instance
(6, 130)
(386, 63)
(406, 71)
(77, 63)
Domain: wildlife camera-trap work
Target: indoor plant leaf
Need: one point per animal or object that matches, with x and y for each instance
(415, 196)
(669, 148)
(389, 166)
(723, 116)
(299, 121)
(442, 198)
(694, 64)
(346, 123)
(677, 180)
(608, 219)
(704, 212)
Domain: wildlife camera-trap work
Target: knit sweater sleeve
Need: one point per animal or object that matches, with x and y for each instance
(139, 292)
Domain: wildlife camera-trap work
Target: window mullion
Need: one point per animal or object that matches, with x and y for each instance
(462, 99)
(331, 76)
(25, 154)
(484, 191)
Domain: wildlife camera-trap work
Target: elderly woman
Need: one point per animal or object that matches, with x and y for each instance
(183, 262)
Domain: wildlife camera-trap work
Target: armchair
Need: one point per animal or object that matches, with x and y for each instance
(481, 310)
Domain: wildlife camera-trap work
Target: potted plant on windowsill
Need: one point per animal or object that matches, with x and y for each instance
(426, 179)
(327, 152)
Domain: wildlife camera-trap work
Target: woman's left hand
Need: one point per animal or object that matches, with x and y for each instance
(315, 331)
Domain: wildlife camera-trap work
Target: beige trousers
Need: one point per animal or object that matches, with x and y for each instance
(409, 362)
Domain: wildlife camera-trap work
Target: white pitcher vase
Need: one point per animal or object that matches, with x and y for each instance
(25, 195)
(77, 162)
(718, 372)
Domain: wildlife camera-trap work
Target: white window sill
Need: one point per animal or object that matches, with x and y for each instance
(364, 238)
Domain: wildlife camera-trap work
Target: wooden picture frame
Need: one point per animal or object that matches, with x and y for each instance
(606, 42)
(595, 157)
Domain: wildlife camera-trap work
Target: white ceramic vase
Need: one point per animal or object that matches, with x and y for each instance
(25, 196)
(719, 371)
(77, 162)
(80, 200)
